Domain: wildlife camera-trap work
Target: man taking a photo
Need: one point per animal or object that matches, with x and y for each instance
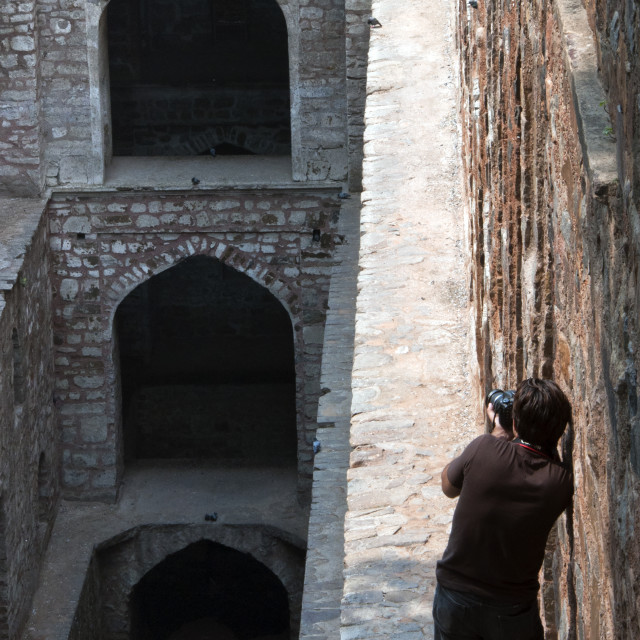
(511, 493)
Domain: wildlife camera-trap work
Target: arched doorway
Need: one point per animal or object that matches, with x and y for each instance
(207, 368)
(209, 591)
(194, 76)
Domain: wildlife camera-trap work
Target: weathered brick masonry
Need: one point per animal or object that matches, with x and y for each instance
(103, 246)
(551, 174)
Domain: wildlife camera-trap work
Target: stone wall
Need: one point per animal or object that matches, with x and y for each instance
(87, 622)
(19, 99)
(27, 439)
(75, 123)
(357, 31)
(66, 106)
(103, 246)
(56, 102)
(322, 95)
(554, 241)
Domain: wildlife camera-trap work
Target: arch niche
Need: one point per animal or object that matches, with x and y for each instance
(207, 369)
(175, 79)
(211, 592)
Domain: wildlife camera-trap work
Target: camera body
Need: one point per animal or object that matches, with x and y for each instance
(502, 402)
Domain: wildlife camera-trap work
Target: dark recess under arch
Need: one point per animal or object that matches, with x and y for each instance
(207, 368)
(188, 76)
(208, 586)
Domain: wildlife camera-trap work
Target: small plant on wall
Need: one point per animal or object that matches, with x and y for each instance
(607, 131)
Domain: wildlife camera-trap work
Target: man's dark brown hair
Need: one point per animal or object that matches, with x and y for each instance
(541, 412)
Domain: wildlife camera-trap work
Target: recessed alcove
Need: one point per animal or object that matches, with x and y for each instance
(190, 77)
(193, 582)
(207, 369)
(209, 591)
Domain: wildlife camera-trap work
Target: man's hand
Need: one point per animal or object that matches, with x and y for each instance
(497, 429)
(449, 490)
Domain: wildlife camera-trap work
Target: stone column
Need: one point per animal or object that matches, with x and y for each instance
(19, 100)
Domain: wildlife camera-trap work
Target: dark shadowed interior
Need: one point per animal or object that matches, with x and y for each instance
(207, 368)
(209, 591)
(191, 76)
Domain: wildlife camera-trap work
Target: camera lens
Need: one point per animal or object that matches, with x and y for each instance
(493, 396)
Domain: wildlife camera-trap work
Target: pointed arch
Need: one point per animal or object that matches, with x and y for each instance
(259, 271)
(278, 555)
(203, 349)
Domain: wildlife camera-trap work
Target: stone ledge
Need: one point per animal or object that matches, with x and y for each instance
(581, 61)
(174, 174)
(19, 219)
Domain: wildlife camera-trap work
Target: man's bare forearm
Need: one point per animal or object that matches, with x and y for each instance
(449, 490)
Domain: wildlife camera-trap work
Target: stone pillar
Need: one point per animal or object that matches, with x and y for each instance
(19, 100)
(357, 50)
(322, 92)
(66, 111)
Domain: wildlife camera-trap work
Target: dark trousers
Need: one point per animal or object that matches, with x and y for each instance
(462, 616)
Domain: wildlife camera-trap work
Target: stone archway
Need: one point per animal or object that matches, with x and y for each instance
(136, 237)
(207, 368)
(211, 592)
(165, 581)
(101, 109)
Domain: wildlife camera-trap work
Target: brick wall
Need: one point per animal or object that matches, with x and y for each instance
(104, 246)
(554, 245)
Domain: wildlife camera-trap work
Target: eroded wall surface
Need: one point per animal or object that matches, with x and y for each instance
(548, 146)
(28, 445)
(19, 100)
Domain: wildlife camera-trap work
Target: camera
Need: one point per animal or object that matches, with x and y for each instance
(502, 402)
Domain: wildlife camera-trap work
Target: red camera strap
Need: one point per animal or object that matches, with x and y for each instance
(526, 445)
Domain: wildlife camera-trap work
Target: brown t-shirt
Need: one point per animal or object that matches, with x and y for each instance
(510, 497)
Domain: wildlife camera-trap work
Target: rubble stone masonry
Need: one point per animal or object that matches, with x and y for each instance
(550, 101)
(19, 100)
(549, 138)
(76, 122)
(103, 246)
(28, 471)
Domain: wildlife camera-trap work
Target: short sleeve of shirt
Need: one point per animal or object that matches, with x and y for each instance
(458, 466)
